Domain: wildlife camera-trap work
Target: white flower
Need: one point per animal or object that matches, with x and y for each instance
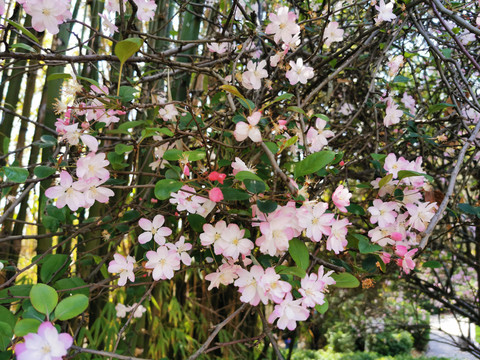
(332, 33)
(252, 78)
(385, 12)
(299, 72)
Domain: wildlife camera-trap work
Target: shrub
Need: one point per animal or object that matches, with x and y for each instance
(389, 343)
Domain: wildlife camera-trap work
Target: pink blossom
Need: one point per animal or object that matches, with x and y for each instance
(383, 212)
(381, 236)
(65, 193)
(299, 72)
(146, 9)
(315, 221)
(337, 240)
(154, 229)
(164, 262)
(406, 261)
(341, 198)
(392, 114)
(187, 200)
(313, 286)
(219, 48)
(288, 313)
(393, 166)
(93, 165)
(109, 27)
(92, 191)
(216, 176)
(46, 344)
(317, 136)
(212, 233)
(182, 249)
(250, 285)
(276, 289)
(232, 243)
(122, 310)
(252, 78)
(409, 103)
(47, 14)
(395, 64)
(421, 215)
(168, 112)
(215, 194)
(385, 12)
(225, 275)
(238, 165)
(332, 33)
(282, 25)
(122, 266)
(249, 128)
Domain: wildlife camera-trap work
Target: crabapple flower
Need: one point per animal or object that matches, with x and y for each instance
(385, 12)
(409, 103)
(392, 114)
(341, 198)
(47, 14)
(188, 200)
(381, 236)
(154, 229)
(108, 26)
(124, 266)
(282, 25)
(317, 136)
(164, 262)
(212, 233)
(168, 112)
(288, 312)
(421, 215)
(250, 285)
(406, 261)
(395, 64)
(252, 78)
(66, 193)
(238, 165)
(232, 243)
(215, 194)
(337, 240)
(122, 310)
(182, 248)
(93, 165)
(225, 275)
(146, 9)
(313, 286)
(92, 191)
(249, 129)
(299, 72)
(219, 48)
(2, 7)
(383, 212)
(276, 289)
(393, 166)
(346, 109)
(316, 222)
(332, 33)
(46, 344)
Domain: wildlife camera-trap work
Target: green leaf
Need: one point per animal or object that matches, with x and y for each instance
(322, 309)
(433, 264)
(50, 223)
(299, 252)
(242, 175)
(469, 209)
(26, 326)
(296, 109)
(196, 222)
(295, 271)
(266, 206)
(277, 99)
(447, 53)
(127, 48)
(313, 163)
(7, 316)
(127, 93)
(254, 186)
(164, 187)
(58, 76)
(195, 155)
(6, 333)
(23, 46)
(438, 107)
(345, 280)
(72, 283)
(7, 295)
(385, 180)
(16, 174)
(355, 209)
(23, 30)
(56, 264)
(43, 171)
(401, 79)
(71, 307)
(172, 155)
(230, 194)
(402, 174)
(378, 157)
(232, 90)
(44, 298)
(364, 244)
(122, 148)
(57, 213)
(47, 141)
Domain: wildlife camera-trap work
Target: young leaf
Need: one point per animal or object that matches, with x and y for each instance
(345, 280)
(26, 326)
(127, 48)
(44, 298)
(43, 171)
(299, 252)
(16, 174)
(313, 163)
(164, 187)
(71, 307)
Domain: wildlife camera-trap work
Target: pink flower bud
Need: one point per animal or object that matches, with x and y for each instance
(153, 201)
(85, 125)
(341, 163)
(396, 236)
(214, 175)
(186, 170)
(386, 257)
(121, 112)
(215, 194)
